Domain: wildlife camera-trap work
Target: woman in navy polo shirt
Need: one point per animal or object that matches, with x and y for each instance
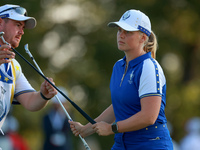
(138, 91)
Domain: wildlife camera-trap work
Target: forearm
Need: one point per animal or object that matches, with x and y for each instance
(32, 101)
(150, 107)
(107, 115)
(35, 101)
(135, 122)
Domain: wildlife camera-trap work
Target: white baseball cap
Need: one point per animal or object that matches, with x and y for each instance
(15, 12)
(134, 20)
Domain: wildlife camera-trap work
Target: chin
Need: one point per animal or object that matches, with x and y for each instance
(121, 49)
(14, 45)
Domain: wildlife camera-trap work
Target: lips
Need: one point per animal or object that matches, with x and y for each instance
(18, 38)
(121, 42)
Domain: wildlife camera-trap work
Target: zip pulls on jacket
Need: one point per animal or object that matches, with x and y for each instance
(126, 68)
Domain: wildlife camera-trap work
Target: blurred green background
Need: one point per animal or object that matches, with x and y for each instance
(73, 45)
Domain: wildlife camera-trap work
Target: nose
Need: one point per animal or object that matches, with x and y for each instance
(21, 32)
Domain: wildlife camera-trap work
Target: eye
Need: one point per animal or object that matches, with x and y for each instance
(18, 24)
(119, 29)
(129, 32)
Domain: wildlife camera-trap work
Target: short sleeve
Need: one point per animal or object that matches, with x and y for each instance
(152, 79)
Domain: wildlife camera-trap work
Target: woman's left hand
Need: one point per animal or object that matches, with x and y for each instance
(102, 128)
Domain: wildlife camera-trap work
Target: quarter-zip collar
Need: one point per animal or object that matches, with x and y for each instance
(137, 60)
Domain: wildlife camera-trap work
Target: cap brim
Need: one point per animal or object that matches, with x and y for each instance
(123, 25)
(30, 22)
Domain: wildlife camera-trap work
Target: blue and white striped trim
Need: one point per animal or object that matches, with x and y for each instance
(147, 32)
(157, 76)
(22, 92)
(150, 94)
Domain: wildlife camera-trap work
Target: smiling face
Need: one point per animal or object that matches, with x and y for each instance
(13, 31)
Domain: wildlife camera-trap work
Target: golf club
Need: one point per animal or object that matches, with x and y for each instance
(74, 104)
(68, 116)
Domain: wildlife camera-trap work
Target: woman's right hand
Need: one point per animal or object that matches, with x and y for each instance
(76, 128)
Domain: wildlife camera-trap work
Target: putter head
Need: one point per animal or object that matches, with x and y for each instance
(27, 50)
(2, 33)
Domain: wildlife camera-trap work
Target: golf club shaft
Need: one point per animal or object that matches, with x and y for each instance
(68, 116)
(74, 104)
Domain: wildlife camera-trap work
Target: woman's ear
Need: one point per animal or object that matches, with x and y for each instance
(143, 38)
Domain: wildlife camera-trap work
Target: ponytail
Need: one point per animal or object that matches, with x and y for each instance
(151, 45)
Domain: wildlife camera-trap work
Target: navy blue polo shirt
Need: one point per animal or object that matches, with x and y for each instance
(144, 77)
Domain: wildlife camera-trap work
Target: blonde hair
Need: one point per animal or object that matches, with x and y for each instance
(151, 45)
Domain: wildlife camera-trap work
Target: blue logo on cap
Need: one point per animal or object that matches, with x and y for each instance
(126, 15)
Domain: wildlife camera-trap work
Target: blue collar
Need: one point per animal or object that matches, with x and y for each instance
(137, 60)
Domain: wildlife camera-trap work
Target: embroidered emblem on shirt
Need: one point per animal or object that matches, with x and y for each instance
(6, 79)
(131, 77)
(17, 68)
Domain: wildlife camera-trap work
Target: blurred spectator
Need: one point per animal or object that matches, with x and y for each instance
(12, 140)
(192, 140)
(56, 127)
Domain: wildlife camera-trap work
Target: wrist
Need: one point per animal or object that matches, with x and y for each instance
(114, 127)
(45, 98)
